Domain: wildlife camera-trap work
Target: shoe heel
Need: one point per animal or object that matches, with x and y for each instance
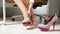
(31, 19)
(54, 25)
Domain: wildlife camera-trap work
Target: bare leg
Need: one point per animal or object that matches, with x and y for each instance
(22, 7)
(31, 12)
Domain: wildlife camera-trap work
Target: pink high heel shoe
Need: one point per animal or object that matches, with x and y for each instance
(28, 22)
(47, 24)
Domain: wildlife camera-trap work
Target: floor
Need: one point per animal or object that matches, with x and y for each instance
(20, 29)
(15, 27)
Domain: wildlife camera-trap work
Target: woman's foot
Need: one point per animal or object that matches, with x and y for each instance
(28, 21)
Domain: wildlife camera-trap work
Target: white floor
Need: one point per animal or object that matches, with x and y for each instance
(20, 29)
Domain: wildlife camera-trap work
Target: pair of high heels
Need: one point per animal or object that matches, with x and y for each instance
(44, 26)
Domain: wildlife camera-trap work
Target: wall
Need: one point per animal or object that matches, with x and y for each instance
(10, 9)
(53, 6)
(59, 7)
(1, 10)
(1, 3)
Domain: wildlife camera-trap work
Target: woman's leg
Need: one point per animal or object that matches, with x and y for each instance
(31, 12)
(22, 7)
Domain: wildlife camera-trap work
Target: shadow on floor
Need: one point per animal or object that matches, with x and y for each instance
(31, 28)
(54, 30)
